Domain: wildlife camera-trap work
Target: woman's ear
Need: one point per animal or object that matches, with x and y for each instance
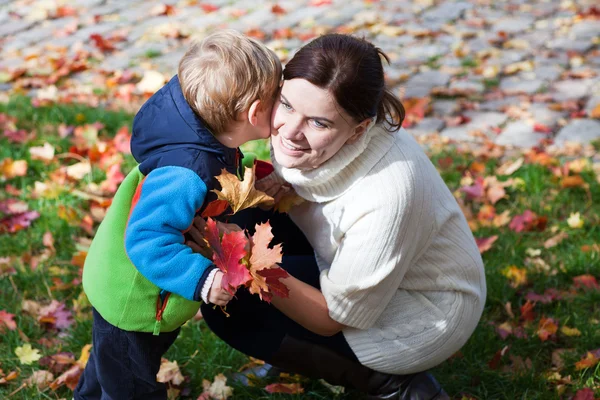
(360, 130)
(253, 112)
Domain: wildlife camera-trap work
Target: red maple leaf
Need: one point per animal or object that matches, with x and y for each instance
(215, 208)
(276, 287)
(586, 281)
(7, 320)
(101, 43)
(475, 191)
(228, 253)
(527, 313)
(16, 222)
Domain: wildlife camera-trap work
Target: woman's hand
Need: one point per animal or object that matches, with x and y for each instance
(273, 188)
(217, 295)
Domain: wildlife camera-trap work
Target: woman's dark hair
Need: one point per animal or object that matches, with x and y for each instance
(351, 69)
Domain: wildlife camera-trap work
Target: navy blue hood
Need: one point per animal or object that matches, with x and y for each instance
(166, 131)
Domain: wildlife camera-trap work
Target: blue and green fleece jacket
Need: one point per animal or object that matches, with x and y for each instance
(139, 274)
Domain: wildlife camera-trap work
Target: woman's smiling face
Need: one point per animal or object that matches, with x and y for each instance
(309, 127)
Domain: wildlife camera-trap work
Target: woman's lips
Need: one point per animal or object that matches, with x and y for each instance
(290, 149)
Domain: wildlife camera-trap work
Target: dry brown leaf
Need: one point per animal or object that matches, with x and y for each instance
(510, 167)
(555, 240)
(241, 194)
(169, 372)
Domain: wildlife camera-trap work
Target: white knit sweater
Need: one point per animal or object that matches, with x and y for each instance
(399, 265)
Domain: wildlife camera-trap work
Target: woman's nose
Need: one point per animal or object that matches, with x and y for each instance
(291, 129)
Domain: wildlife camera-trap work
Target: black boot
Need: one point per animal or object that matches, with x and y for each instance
(315, 361)
(419, 386)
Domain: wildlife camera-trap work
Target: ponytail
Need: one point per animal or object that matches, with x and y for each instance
(391, 111)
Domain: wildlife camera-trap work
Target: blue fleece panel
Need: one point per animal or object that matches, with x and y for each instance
(154, 238)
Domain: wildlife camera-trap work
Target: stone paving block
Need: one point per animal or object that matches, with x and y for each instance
(592, 103)
(427, 126)
(480, 121)
(513, 25)
(571, 89)
(564, 44)
(547, 72)
(467, 86)
(579, 130)
(519, 134)
(445, 108)
(586, 30)
(446, 11)
(13, 26)
(515, 85)
(543, 115)
(500, 104)
(421, 84)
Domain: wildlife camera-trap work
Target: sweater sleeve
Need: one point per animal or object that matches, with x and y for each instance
(154, 240)
(375, 252)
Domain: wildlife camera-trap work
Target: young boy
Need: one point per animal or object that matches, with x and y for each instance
(141, 278)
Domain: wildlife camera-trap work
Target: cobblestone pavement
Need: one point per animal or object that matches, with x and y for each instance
(516, 72)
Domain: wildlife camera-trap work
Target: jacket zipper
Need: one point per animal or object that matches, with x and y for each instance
(161, 304)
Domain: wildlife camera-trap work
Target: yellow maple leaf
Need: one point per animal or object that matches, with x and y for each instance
(27, 355)
(241, 194)
(565, 330)
(516, 276)
(575, 221)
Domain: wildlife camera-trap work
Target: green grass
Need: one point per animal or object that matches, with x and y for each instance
(201, 355)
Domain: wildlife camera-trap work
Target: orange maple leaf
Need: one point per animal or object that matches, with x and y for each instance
(262, 257)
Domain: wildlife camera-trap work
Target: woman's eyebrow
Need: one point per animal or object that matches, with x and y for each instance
(317, 118)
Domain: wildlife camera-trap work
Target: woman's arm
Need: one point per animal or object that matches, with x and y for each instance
(306, 305)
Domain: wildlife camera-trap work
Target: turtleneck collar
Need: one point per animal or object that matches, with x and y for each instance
(338, 174)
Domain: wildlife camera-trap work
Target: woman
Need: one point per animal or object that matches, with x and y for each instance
(398, 284)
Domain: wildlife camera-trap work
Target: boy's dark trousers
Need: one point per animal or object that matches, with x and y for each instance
(122, 364)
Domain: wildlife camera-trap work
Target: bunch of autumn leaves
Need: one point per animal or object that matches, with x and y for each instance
(244, 260)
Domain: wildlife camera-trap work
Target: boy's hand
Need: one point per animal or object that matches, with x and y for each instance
(217, 295)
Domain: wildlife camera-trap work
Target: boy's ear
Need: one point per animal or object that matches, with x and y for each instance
(253, 112)
(359, 130)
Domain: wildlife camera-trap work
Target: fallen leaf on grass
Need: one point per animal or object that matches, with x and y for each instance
(546, 328)
(585, 394)
(7, 320)
(528, 221)
(588, 361)
(495, 361)
(484, 244)
(586, 282)
(575, 221)
(11, 169)
(45, 152)
(555, 240)
(56, 316)
(565, 330)
(169, 372)
(40, 379)
(527, 313)
(217, 390)
(289, 388)
(27, 355)
(11, 376)
(516, 276)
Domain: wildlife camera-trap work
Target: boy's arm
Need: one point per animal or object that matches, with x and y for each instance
(166, 204)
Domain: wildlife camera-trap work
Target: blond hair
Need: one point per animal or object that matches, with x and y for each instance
(223, 74)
